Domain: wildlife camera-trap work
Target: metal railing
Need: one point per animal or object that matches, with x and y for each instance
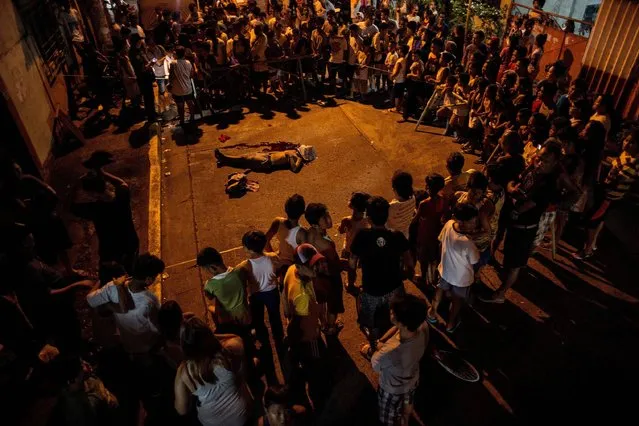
(563, 43)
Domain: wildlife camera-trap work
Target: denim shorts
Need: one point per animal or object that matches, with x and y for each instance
(459, 292)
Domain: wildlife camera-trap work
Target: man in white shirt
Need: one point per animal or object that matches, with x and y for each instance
(459, 254)
(258, 53)
(180, 75)
(135, 307)
(338, 45)
(368, 28)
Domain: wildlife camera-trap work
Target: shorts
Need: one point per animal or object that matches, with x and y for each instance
(335, 296)
(161, 85)
(180, 99)
(391, 406)
(518, 246)
(455, 291)
(374, 311)
(398, 90)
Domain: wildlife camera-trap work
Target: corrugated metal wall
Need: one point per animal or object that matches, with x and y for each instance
(611, 60)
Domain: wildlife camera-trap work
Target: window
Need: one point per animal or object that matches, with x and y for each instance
(40, 22)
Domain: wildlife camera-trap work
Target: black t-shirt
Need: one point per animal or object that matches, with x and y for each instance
(511, 167)
(380, 252)
(540, 188)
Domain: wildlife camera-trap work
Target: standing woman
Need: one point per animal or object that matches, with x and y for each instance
(208, 373)
(536, 55)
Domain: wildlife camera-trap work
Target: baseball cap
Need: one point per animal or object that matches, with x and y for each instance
(308, 254)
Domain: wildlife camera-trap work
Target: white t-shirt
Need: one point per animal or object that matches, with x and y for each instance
(137, 327)
(338, 46)
(401, 74)
(459, 254)
(400, 214)
(367, 32)
(264, 273)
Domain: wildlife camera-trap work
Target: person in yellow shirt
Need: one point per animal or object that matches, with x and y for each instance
(302, 311)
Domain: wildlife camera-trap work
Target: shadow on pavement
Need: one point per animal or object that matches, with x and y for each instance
(352, 397)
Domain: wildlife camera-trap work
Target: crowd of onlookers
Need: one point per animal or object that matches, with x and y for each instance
(543, 154)
(221, 54)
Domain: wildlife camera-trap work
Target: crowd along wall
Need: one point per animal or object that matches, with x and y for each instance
(32, 101)
(611, 60)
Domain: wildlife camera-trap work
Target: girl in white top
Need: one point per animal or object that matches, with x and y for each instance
(208, 373)
(402, 208)
(288, 230)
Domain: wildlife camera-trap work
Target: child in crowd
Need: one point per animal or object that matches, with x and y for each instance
(402, 207)
(302, 310)
(329, 281)
(456, 269)
(261, 268)
(279, 410)
(288, 230)
(227, 288)
(457, 179)
(428, 224)
(397, 359)
(350, 226)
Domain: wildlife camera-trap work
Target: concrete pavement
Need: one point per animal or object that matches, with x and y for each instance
(535, 352)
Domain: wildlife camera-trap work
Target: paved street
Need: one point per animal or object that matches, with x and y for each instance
(561, 344)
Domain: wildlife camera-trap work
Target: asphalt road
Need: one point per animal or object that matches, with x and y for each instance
(561, 349)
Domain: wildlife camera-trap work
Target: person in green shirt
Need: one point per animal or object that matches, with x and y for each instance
(226, 287)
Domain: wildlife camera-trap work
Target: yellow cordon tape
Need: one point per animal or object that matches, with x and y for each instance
(155, 193)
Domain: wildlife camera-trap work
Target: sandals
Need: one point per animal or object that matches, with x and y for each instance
(453, 329)
(432, 320)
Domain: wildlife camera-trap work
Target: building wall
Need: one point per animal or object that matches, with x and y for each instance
(572, 8)
(611, 61)
(34, 103)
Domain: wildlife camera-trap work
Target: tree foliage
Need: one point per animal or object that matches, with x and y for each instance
(492, 18)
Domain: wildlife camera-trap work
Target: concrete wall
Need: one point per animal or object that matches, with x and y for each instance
(33, 102)
(572, 8)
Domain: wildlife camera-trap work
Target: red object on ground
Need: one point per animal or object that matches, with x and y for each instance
(223, 138)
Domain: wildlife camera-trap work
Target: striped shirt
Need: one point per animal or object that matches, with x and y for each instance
(622, 176)
(400, 215)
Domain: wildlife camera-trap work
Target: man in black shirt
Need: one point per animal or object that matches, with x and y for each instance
(531, 195)
(385, 260)
(105, 200)
(141, 62)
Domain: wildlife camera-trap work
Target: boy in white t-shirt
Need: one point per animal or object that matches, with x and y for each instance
(134, 307)
(264, 293)
(459, 254)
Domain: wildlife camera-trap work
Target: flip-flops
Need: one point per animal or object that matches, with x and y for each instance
(452, 330)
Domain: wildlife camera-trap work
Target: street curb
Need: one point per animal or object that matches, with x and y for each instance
(155, 193)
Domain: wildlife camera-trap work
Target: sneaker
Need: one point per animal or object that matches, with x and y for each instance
(582, 255)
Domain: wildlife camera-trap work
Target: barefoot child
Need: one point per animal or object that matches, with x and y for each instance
(288, 230)
(350, 226)
(428, 224)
